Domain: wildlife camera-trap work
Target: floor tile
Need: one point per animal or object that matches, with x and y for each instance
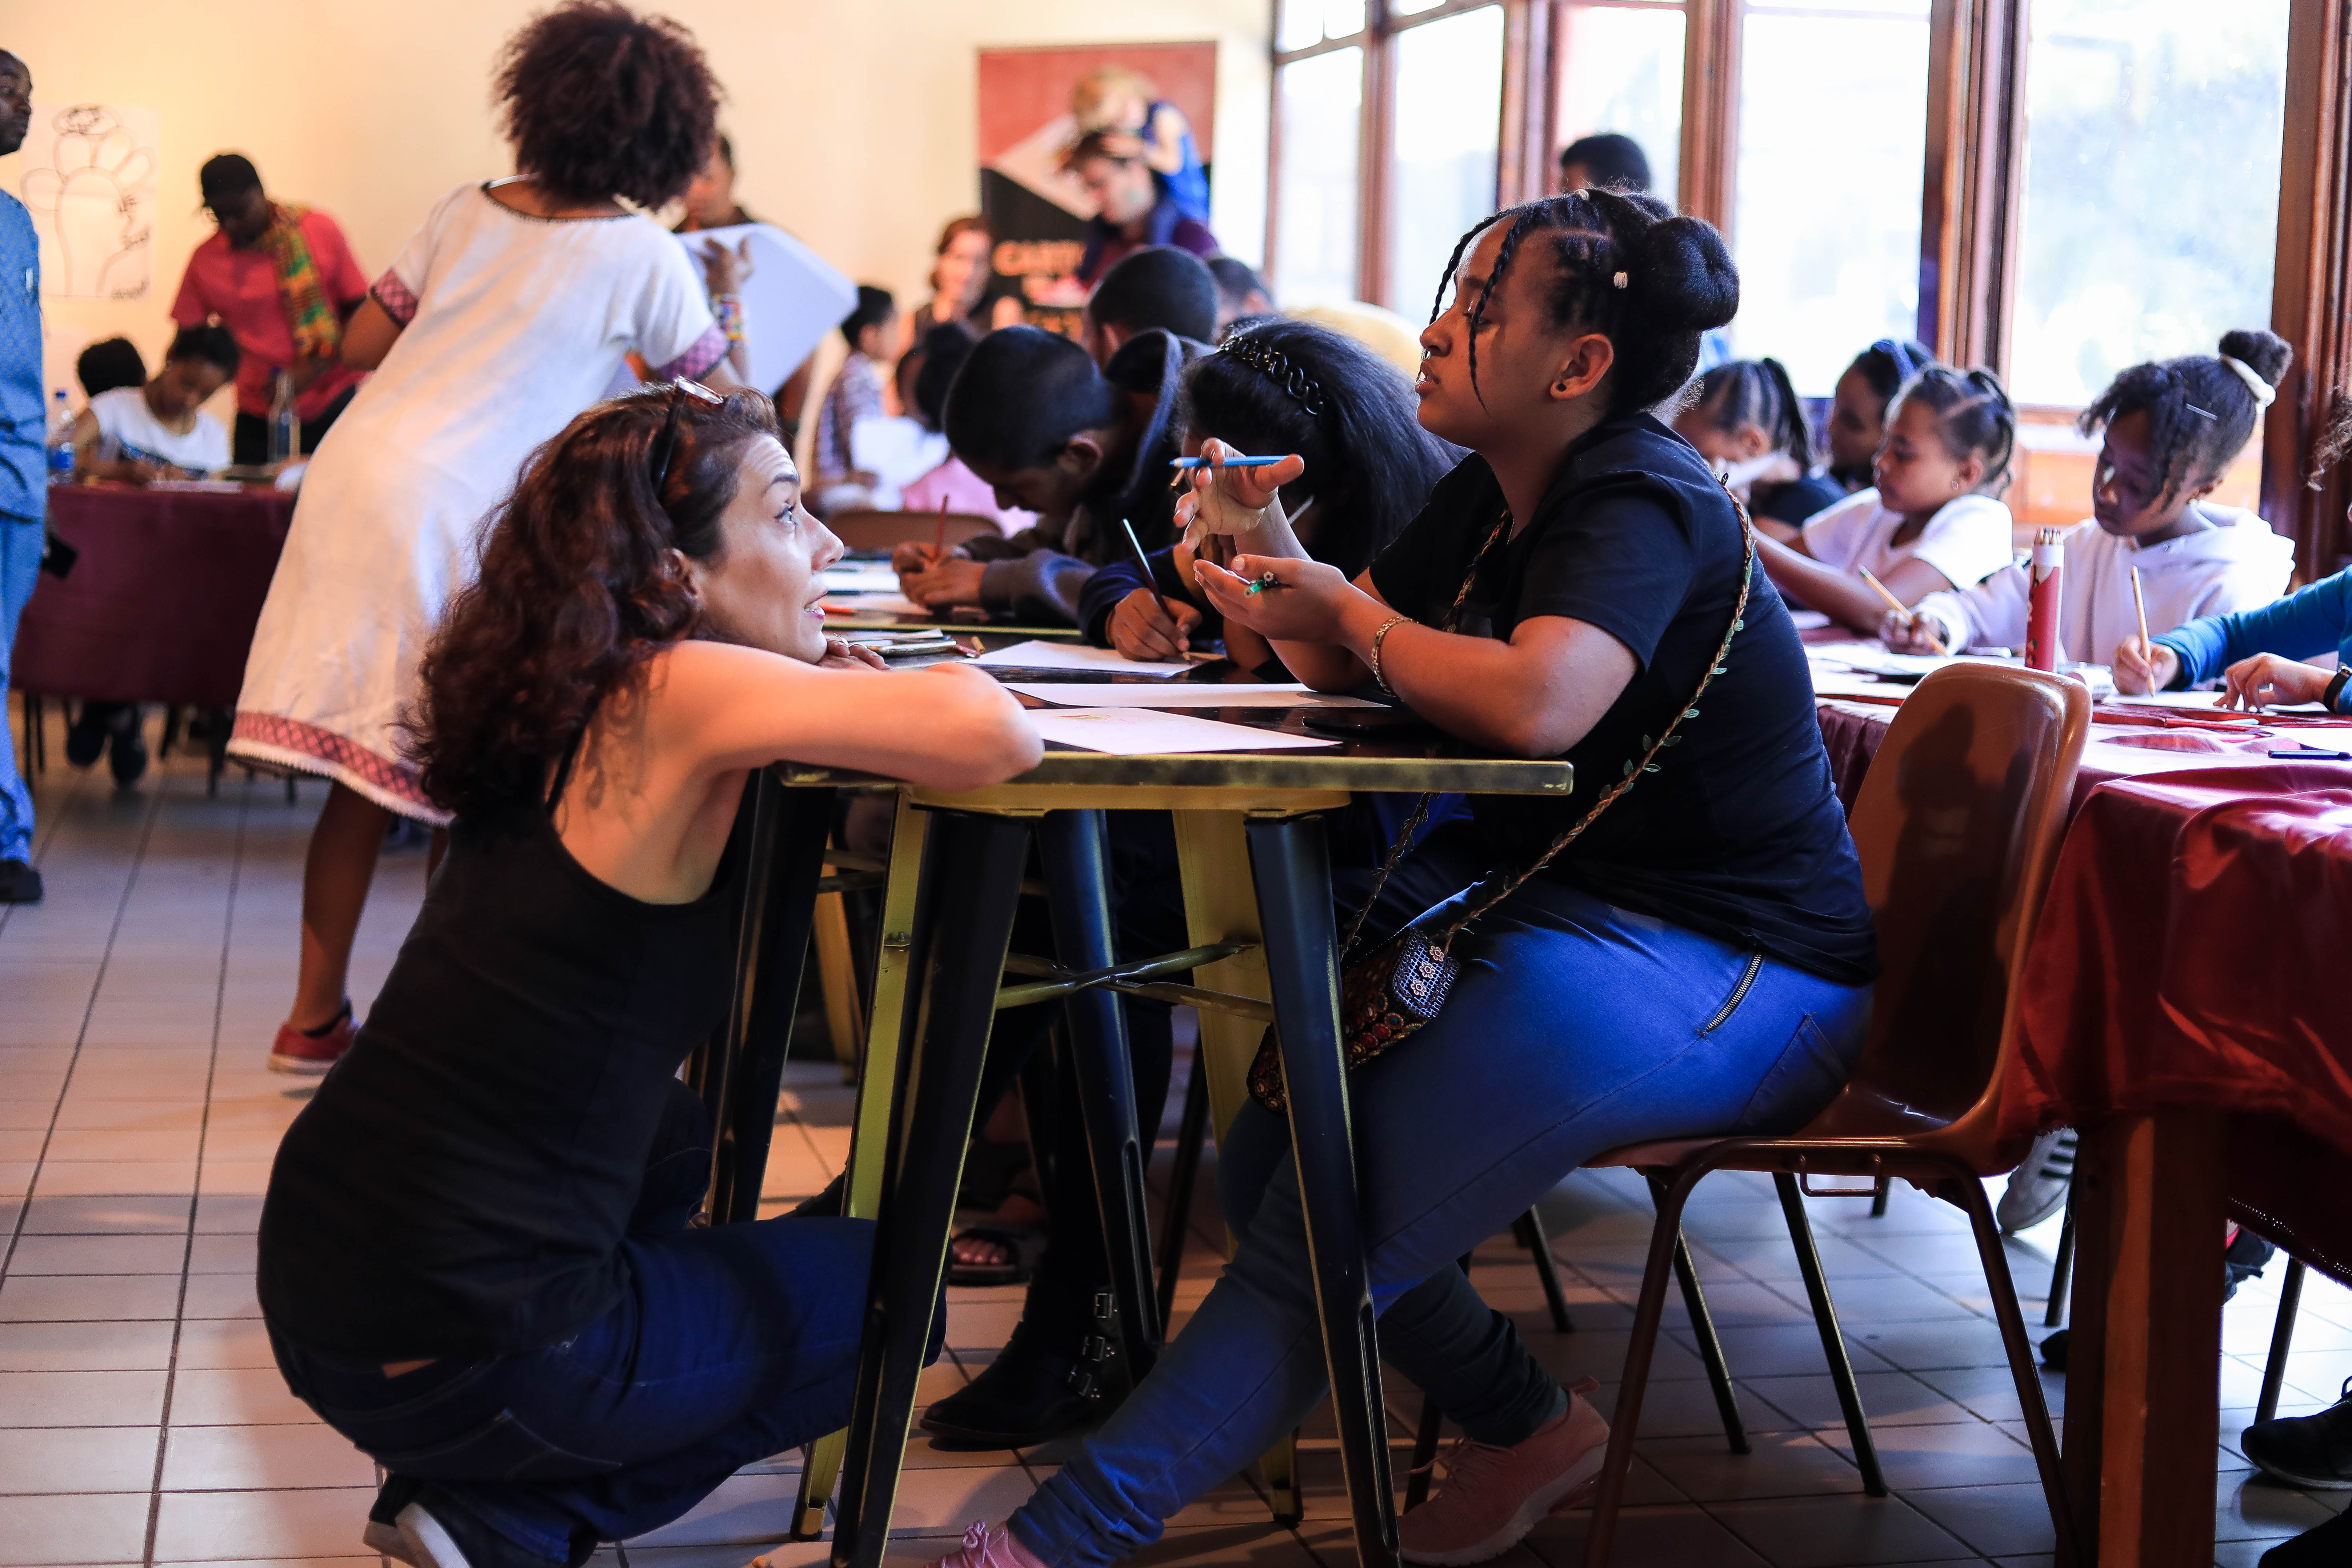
(36, 1297)
(1998, 1520)
(80, 1399)
(235, 1396)
(205, 1526)
(230, 1458)
(1778, 1465)
(90, 1255)
(1681, 1535)
(1801, 1533)
(40, 1531)
(1960, 1454)
(77, 1459)
(144, 1346)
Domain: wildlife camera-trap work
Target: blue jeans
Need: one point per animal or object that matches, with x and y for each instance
(730, 1345)
(20, 568)
(1574, 1027)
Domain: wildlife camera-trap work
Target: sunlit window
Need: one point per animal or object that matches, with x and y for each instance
(1621, 70)
(1833, 137)
(1316, 227)
(1449, 112)
(1303, 23)
(2151, 185)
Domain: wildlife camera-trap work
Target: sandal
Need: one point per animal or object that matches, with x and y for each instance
(1026, 1243)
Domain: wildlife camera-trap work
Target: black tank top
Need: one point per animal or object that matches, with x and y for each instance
(462, 1182)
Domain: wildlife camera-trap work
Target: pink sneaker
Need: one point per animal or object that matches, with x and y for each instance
(306, 1054)
(986, 1548)
(1493, 1496)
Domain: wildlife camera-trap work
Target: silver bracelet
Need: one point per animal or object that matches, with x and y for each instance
(1378, 638)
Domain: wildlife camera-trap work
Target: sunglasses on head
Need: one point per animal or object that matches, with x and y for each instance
(665, 450)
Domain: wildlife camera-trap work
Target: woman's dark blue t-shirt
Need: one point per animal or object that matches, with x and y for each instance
(1739, 835)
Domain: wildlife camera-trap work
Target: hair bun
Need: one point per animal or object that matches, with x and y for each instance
(2268, 352)
(1687, 274)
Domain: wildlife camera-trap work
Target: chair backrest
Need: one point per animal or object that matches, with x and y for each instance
(1959, 824)
(862, 530)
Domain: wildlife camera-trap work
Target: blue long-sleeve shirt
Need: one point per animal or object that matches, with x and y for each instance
(2303, 625)
(1118, 578)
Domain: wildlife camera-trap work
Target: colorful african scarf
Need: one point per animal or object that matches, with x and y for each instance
(309, 315)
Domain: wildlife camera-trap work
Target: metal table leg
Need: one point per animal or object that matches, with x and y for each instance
(958, 959)
(1294, 891)
(1075, 854)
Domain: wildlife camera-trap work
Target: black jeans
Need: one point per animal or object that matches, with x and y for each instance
(728, 1346)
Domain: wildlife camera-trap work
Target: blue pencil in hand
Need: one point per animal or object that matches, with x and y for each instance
(1227, 463)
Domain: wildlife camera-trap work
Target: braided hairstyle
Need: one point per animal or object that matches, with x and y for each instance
(1974, 419)
(2201, 412)
(1757, 392)
(1887, 363)
(1625, 267)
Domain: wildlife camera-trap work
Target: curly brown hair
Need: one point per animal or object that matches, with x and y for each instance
(578, 589)
(601, 102)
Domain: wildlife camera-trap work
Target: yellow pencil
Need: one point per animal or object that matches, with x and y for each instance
(1899, 607)
(2146, 649)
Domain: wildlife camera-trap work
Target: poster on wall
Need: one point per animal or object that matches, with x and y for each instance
(1037, 210)
(89, 181)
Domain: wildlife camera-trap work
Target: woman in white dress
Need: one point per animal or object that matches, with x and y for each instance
(507, 314)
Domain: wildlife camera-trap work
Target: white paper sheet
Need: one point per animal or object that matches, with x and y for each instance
(1033, 655)
(861, 577)
(1184, 694)
(1141, 732)
(884, 604)
(2207, 702)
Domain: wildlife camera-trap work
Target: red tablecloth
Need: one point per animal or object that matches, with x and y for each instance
(161, 604)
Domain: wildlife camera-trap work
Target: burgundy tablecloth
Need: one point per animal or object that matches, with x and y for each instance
(161, 604)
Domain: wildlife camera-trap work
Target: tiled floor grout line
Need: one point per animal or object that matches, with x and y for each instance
(196, 1198)
(98, 981)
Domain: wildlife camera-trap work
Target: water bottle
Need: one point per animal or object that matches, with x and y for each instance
(282, 426)
(61, 445)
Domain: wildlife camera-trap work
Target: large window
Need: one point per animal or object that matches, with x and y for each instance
(1319, 233)
(1621, 69)
(1446, 136)
(1832, 131)
(2151, 185)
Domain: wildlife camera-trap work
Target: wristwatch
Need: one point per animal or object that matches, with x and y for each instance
(2331, 699)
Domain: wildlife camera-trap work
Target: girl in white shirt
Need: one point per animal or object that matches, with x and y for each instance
(1932, 523)
(2173, 428)
(160, 431)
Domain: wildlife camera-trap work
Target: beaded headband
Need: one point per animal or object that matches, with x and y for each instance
(1275, 366)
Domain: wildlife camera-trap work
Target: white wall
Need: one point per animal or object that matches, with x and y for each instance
(853, 121)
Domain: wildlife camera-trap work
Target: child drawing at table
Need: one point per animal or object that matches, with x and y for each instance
(1932, 523)
(1116, 99)
(1857, 426)
(1699, 961)
(137, 434)
(2172, 430)
(2262, 657)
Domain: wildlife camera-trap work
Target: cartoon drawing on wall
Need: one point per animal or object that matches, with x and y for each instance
(89, 179)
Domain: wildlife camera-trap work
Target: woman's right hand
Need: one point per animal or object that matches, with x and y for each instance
(2136, 675)
(1141, 631)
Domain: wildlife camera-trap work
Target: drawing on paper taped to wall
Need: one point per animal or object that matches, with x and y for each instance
(89, 179)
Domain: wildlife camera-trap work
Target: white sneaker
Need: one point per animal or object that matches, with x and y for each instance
(2038, 1187)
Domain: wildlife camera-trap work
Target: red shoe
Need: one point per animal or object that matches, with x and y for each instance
(307, 1055)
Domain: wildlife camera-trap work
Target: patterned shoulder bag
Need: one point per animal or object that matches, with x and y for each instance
(1392, 992)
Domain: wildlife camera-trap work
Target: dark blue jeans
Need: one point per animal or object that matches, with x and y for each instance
(729, 1345)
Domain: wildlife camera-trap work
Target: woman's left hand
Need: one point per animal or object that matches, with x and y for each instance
(1302, 604)
(2266, 681)
(726, 269)
(841, 655)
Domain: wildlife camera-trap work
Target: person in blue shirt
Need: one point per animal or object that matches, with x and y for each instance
(23, 476)
(2260, 655)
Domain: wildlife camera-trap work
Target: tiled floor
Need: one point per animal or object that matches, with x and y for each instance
(142, 1421)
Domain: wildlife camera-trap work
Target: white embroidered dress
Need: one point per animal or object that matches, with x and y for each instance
(512, 324)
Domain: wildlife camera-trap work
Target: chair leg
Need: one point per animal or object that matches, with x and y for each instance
(1971, 1199)
(1530, 1228)
(1817, 1290)
(1878, 1198)
(1424, 1454)
(2061, 1267)
(1667, 1253)
(1191, 1133)
(1710, 1349)
(2282, 1338)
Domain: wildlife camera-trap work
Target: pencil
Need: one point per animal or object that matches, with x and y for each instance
(2146, 649)
(1143, 564)
(1223, 463)
(1898, 606)
(939, 533)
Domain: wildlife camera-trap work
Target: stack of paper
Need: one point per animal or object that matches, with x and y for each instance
(1140, 732)
(1035, 655)
(1181, 694)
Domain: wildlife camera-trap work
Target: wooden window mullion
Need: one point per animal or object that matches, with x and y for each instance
(1710, 142)
(2309, 298)
(1972, 184)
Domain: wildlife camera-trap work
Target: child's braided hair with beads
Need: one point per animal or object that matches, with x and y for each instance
(1625, 267)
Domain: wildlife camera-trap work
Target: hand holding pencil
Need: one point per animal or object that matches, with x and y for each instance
(1904, 629)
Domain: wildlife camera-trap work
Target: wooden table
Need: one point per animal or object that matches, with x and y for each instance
(1258, 907)
(2182, 1007)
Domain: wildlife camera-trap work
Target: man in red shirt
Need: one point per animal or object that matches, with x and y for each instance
(282, 280)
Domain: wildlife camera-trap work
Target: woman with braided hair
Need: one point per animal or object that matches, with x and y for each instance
(1680, 947)
(1747, 421)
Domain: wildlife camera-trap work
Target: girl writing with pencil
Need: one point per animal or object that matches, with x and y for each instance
(1931, 522)
(1696, 958)
(2172, 428)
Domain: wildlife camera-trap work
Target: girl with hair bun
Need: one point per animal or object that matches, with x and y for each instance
(476, 1259)
(2172, 430)
(1681, 947)
(1934, 519)
(1749, 423)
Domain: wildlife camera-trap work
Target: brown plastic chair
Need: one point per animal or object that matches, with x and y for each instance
(1959, 824)
(864, 530)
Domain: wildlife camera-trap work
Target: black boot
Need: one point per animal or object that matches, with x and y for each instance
(1042, 1385)
(2311, 1451)
(126, 754)
(86, 737)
